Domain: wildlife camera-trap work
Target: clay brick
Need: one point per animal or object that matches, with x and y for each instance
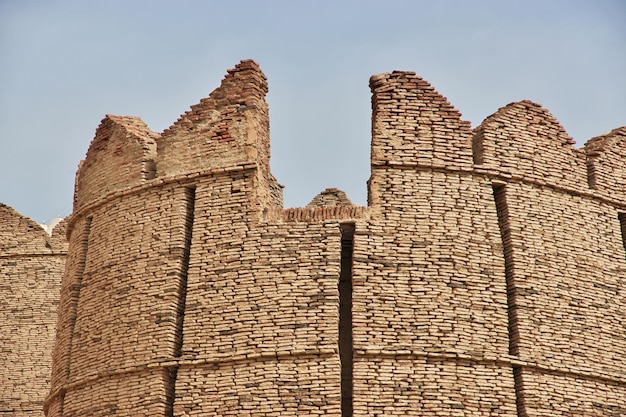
(485, 277)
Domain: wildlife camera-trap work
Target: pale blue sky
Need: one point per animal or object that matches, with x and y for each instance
(65, 64)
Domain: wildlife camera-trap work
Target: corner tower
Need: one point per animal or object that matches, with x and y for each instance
(144, 204)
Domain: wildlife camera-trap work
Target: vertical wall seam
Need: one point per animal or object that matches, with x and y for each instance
(345, 319)
(478, 148)
(518, 383)
(190, 200)
(591, 173)
(75, 295)
(502, 210)
(172, 373)
(622, 224)
(148, 169)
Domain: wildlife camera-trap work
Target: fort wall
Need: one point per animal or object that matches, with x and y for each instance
(485, 277)
(31, 265)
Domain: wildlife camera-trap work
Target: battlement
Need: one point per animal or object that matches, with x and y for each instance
(228, 128)
(605, 164)
(21, 236)
(523, 140)
(484, 277)
(412, 125)
(121, 155)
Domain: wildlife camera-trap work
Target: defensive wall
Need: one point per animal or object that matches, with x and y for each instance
(31, 266)
(484, 278)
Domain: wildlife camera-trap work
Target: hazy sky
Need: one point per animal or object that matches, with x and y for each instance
(65, 64)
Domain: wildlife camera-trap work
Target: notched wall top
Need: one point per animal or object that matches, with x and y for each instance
(121, 155)
(413, 124)
(229, 127)
(605, 162)
(524, 140)
(20, 235)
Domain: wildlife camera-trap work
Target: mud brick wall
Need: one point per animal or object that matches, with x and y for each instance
(605, 164)
(31, 265)
(430, 299)
(122, 148)
(485, 277)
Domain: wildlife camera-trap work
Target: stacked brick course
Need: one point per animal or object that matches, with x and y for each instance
(484, 278)
(31, 265)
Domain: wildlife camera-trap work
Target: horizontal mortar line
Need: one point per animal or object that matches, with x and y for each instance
(32, 255)
(187, 178)
(175, 363)
(501, 360)
(310, 214)
(502, 176)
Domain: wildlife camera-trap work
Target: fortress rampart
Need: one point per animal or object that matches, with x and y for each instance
(31, 265)
(486, 276)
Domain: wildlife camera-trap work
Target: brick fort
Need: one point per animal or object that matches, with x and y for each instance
(485, 277)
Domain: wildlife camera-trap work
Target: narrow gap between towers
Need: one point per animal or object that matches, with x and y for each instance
(502, 209)
(75, 295)
(172, 373)
(345, 318)
(519, 388)
(499, 194)
(622, 224)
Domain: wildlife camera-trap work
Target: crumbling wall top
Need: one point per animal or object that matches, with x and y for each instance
(605, 163)
(413, 124)
(522, 139)
(229, 127)
(20, 235)
(121, 155)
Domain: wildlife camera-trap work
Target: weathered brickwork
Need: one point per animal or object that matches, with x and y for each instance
(485, 277)
(31, 265)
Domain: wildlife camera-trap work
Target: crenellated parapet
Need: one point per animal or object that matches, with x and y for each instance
(413, 124)
(229, 127)
(226, 130)
(413, 127)
(121, 155)
(524, 141)
(20, 235)
(605, 164)
(483, 277)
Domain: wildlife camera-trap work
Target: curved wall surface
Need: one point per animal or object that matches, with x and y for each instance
(486, 276)
(31, 265)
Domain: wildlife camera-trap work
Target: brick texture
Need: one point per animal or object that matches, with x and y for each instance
(31, 264)
(484, 278)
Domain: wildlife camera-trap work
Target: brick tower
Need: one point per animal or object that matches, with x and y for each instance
(484, 278)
